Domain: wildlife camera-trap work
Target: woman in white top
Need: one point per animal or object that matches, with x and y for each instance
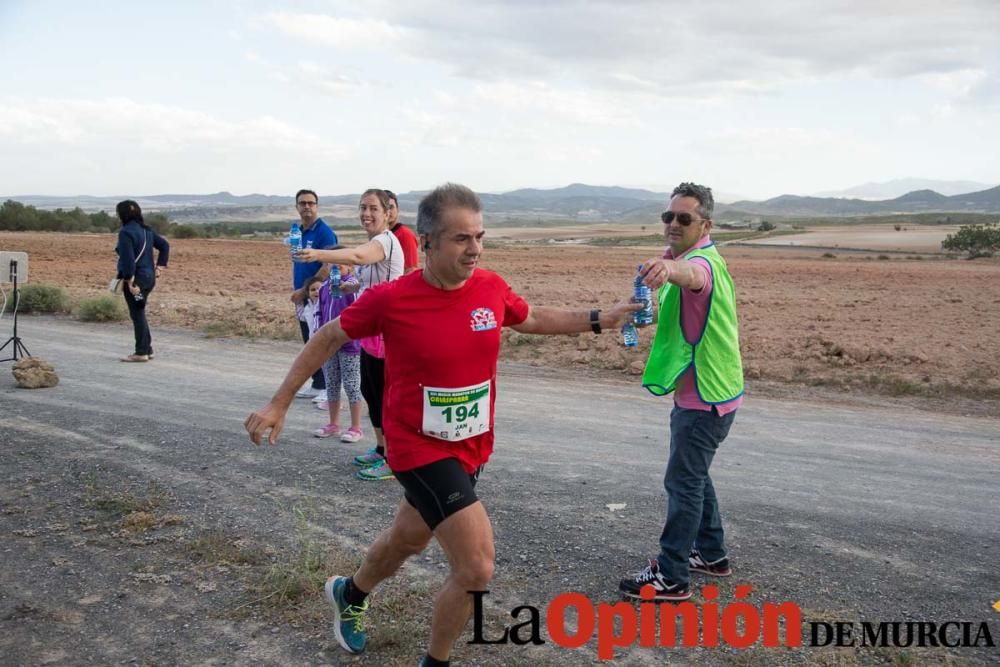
(379, 261)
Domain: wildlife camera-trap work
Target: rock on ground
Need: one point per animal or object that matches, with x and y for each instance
(34, 373)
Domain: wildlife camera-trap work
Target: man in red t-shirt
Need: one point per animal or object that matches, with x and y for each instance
(442, 339)
(406, 238)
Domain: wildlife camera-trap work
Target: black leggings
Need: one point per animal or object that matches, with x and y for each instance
(137, 312)
(373, 386)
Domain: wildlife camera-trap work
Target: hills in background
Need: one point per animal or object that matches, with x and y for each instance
(901, 186)
(575, 202)
(919, 201)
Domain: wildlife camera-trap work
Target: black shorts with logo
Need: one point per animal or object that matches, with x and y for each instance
(439, 489)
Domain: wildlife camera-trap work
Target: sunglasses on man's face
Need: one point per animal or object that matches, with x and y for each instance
(683, 219)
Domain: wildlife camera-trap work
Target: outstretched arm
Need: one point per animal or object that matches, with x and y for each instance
(545, 320)
(368, 253)
(330, 338)
(681, 272)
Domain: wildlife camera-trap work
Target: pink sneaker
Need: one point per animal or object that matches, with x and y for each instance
(322, 405)
(352, 435)
(328, 431)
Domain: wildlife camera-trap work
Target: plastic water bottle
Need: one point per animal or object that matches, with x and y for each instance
(295, 240)
(629, 335)
(642, 294)
(335, 281)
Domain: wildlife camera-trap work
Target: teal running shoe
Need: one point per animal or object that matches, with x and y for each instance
(377, 472)
(368, 459)
(349, 620)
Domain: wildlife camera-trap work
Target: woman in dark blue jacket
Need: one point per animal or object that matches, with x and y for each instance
(136, 243)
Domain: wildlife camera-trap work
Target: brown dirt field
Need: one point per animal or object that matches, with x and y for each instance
(911, 238)
(853, 327)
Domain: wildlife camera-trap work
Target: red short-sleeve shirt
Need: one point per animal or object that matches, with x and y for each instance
(434, 338)
(408, 241)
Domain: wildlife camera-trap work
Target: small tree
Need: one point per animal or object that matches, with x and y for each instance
(40, 298)
(102, 308)
(765, 226)
(183, 231)
(157, 221)
(976, 240)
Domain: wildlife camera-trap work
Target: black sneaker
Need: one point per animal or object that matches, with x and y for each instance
(717, 568)
(664, 589)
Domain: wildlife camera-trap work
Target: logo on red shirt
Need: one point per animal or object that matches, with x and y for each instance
(483, 320)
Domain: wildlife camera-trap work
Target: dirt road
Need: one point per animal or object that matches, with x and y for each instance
(854, 513)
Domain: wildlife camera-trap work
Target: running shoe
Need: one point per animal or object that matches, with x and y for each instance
(368, 459)
(717, 568)
(348, 620)
(327, 431)
(376, 472)
(664, 590)
(352, 435)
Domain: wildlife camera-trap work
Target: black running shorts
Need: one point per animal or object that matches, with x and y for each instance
(439, 489)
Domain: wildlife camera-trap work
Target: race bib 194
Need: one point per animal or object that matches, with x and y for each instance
(457, 413)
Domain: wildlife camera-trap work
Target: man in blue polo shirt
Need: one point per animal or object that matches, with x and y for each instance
(314, 231)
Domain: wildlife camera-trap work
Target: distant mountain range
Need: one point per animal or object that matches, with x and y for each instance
(157, 202)
(577, 202)
(902, 186)
(919, 201)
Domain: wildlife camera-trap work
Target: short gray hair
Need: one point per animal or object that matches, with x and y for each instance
(703, 193)
(433, 205)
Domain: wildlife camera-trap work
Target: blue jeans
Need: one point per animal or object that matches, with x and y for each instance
(693, 518)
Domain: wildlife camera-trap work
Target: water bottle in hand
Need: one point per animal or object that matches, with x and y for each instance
(335, 281)
(642, 294)
(298, 253)
(295, 240)
(629, 335)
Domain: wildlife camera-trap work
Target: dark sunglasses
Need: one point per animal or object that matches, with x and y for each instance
(683, 219)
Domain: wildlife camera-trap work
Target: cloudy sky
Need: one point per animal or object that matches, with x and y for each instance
(754, 99)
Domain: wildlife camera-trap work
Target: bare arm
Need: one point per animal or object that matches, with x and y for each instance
(368, 253)
(330, 338)
(545, 320)
(681, 272)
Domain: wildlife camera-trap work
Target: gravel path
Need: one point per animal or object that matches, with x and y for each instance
(854, 513)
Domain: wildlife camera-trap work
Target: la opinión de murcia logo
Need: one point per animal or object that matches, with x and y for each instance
(572, 620)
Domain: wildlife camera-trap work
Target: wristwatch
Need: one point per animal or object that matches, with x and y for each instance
(595, 323)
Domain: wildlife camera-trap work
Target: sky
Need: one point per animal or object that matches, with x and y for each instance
(753, 99)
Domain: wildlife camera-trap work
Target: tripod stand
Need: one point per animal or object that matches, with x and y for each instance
(18, 346)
